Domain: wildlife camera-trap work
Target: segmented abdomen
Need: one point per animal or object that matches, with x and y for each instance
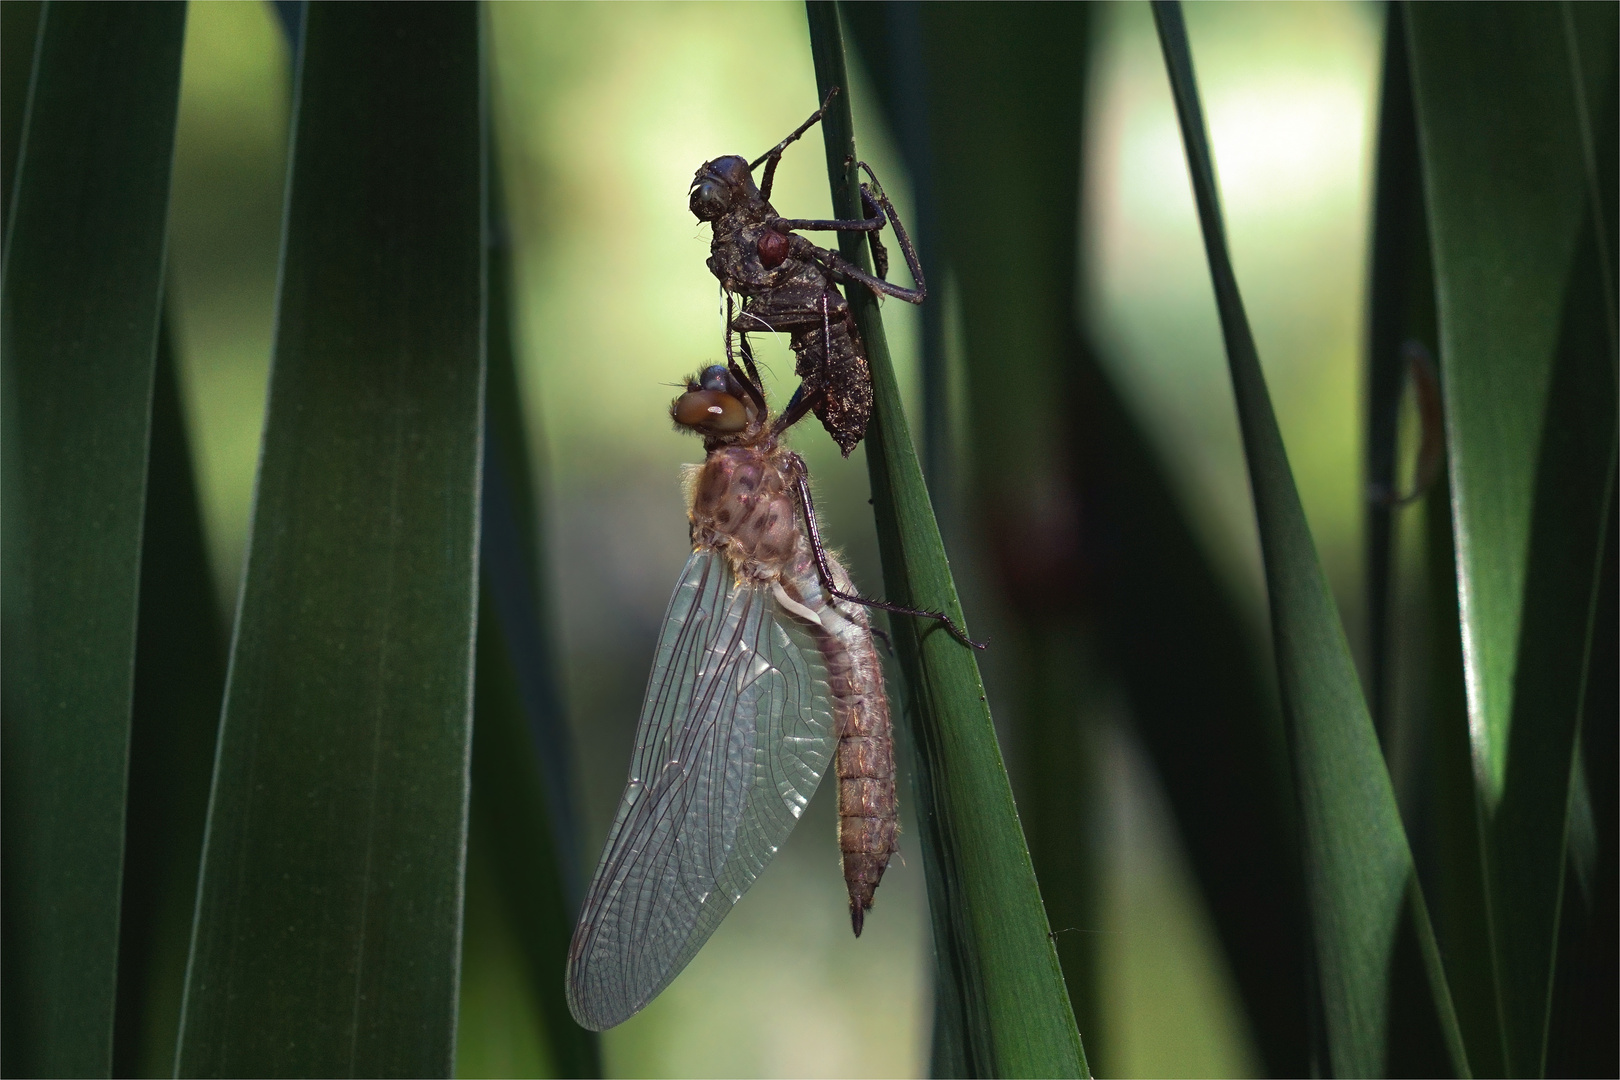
(868, 808)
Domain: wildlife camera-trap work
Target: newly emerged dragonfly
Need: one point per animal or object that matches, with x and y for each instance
(765, 672)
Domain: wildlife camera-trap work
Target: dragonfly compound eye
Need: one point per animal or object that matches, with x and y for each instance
(709, 411)
(714, 377)
(708, 200)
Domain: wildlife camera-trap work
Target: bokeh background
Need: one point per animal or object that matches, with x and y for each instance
(601, 114)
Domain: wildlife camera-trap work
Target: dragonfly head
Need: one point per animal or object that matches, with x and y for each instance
(717, 407)
(721, 186)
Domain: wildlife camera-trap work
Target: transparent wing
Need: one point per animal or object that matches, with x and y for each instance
(735, 733)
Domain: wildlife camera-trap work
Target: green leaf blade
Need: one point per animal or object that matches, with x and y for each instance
(329, 913)
(81, 298)
(1521, 252)
(1009, 1012)
(1358, 864)
(179, 686)
(1504, 236)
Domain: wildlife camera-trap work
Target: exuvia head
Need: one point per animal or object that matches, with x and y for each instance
(717, 406)
(721, 186)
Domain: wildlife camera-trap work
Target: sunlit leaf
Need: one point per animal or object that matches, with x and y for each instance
(1414, 679)
(1358, 867)
(83, 285)
(1522, 257)
(329, 915)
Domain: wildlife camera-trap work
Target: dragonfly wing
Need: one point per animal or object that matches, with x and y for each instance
(735, 734)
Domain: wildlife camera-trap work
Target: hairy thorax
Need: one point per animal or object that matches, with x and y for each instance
(743, 504)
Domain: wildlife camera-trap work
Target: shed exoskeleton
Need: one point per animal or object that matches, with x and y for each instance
(789, 285)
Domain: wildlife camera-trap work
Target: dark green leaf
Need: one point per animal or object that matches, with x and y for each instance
(1009, 1012)
(1400, 309)
(1003, 85)
(179, 685)
(1415, 662)
(1462, 922)
(329, 913)
(976, 88)
(19, 35)
(83, 284)
(1358, 865)
(1581, 1041)
(1527, 361)
(1178, 642)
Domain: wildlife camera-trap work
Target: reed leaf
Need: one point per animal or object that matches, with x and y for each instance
(1358, 866)
(1008, 1011)
(1127, 570)
(79, 312)
(329, 915)
(1523, 255)
(179, 686)
(19, 34)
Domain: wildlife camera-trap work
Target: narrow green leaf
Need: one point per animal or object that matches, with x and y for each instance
(1419, 705)
(1003, 84)
(179, 686)
(1461, 927)
(1357, 863)
(1400, 308)
(1008, 85)
(1009, 1011)
(511, 545)
(1527, 362)
(889, 40)
(19, 36)
(1504, 236)
(83, 284)
(1586, 998)
(329, 913)
(998, 88)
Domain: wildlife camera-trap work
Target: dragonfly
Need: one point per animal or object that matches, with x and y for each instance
(764, 674)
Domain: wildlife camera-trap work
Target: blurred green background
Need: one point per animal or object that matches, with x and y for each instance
(602, 112)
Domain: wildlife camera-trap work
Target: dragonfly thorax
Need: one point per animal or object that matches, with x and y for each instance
(744, 505)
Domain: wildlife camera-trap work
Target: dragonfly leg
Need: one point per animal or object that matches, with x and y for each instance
(750, 378)
(866, 224)
(880, 254)
(883, 636)
(845, 271)
(907, 248)
(803, 487)
(799, 404)
(774, 155)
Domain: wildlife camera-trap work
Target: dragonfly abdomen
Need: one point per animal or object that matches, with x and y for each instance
(868, 808)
